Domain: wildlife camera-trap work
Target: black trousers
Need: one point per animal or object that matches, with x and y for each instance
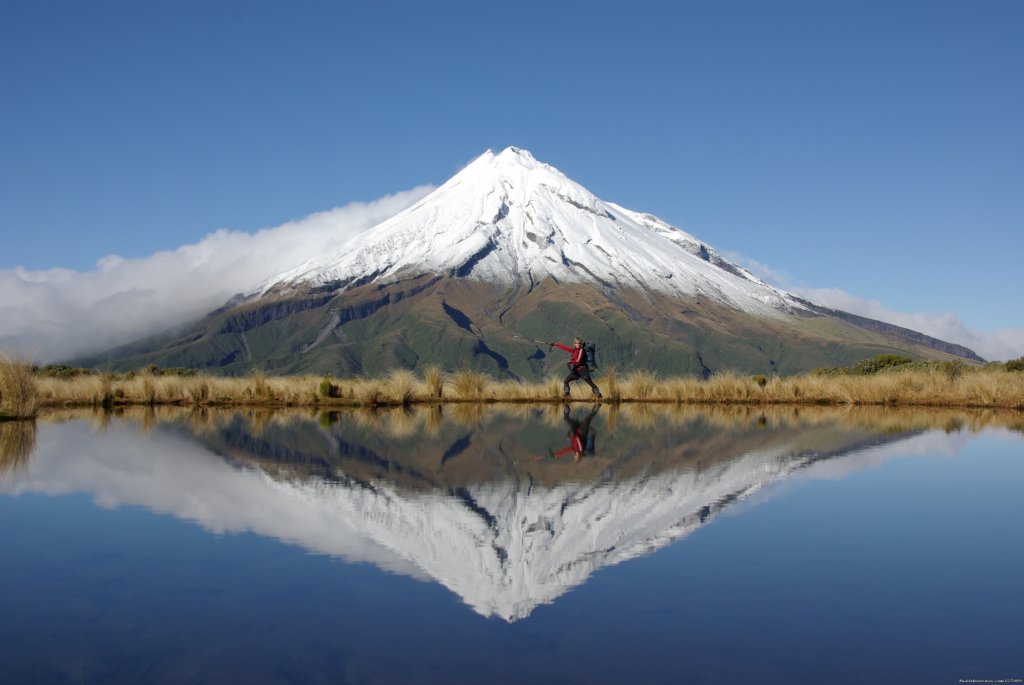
(577, 373)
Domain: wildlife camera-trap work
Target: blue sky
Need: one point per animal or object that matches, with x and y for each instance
(866, 152)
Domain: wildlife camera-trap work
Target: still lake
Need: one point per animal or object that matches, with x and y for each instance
(513, 544)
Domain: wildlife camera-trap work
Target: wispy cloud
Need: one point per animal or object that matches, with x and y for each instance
(59, 313)
(992, 345)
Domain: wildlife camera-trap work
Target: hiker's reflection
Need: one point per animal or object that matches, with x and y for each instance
(581, 439)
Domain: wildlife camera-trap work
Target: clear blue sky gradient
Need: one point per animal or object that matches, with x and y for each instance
(874, 147)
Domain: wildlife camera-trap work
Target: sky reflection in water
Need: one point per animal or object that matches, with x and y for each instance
(840, 545)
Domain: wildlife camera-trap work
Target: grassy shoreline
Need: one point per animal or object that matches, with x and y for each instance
(879, 382)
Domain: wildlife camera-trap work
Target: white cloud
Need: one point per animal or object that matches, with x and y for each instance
(992, 345)
(56, 314)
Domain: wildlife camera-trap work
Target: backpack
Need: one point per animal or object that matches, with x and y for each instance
(590, 354)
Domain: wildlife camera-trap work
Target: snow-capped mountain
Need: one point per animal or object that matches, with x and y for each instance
(511, 250)
(509, 219)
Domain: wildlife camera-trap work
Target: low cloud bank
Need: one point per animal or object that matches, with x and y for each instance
(57, 314)
(999, 345)
(992, 345)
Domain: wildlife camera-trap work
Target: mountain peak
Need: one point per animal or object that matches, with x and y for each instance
(509, 166)
(520, 155)
(507, 161)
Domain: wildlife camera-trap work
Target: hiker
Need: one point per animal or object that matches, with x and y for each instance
(580, 440)
(577, 366)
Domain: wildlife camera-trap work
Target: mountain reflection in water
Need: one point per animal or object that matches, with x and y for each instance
(508, 507)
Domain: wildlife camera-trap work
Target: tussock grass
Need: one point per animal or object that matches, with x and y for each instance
(905, 384)
(402, 387)
(610, 385)
(468, 385)
(18, 393)
(640, 386)
(434, 382)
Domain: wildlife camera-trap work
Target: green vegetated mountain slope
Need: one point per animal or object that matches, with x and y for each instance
(457, 323)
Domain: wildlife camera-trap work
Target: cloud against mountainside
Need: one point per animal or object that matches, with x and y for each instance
(992, 345)
(999, 345)
(59, 313)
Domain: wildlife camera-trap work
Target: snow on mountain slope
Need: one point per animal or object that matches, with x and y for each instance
(509, 219)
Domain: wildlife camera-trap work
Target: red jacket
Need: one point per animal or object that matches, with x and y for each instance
(575, 445)
(579, 355)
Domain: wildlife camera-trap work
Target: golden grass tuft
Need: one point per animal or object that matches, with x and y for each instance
(610, 385)
(640, 386)
(468, 385)
(19, 397)
(401, 387)
(433, 379)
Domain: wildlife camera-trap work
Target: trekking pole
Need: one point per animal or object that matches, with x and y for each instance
(538, 342)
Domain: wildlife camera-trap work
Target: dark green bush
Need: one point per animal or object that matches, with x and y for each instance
(1015, 364)
(62, 371)
(328, 389)
(867, 367)
(882, 362)
(182, 371)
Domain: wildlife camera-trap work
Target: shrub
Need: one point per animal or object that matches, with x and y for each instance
(181, 371)
(327, 388)
(61, 371)
(882, 362)
(1015, 364)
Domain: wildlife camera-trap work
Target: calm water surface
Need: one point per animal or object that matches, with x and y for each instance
(470, 545)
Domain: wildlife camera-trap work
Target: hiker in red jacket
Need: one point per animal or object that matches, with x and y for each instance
(577, 366)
